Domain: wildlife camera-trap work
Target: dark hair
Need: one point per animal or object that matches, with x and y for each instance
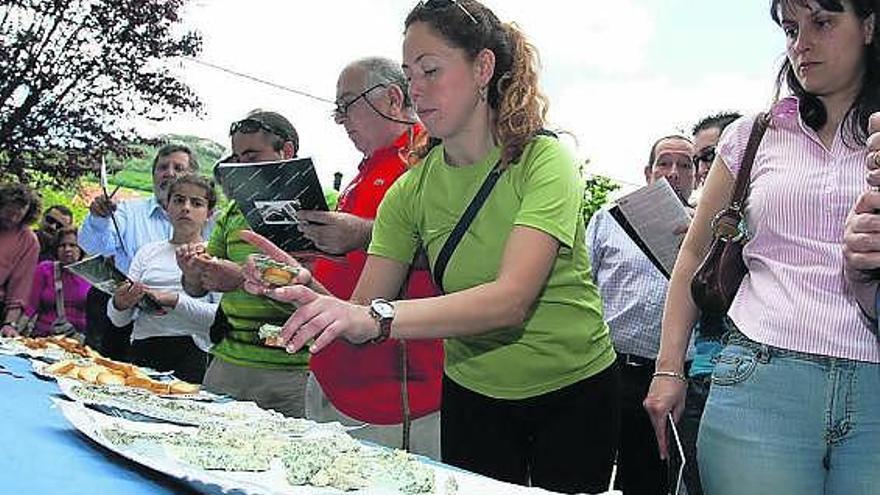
(811, 108)
(653, 155)
(196, 180)
(16, 193)
(716, 121)
(61, 208)
(176, 148)
(279, 123)
(66, 231)
(513, 92)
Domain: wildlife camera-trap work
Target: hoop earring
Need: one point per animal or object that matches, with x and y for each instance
(502, 82)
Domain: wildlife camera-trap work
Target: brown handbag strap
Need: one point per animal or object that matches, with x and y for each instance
(743, 177)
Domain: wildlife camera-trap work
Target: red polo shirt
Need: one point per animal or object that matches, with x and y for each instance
(363, 381)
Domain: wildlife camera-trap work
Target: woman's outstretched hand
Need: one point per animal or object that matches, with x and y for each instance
(318, 317)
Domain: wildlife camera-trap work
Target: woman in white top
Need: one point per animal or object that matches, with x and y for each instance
(175, 337)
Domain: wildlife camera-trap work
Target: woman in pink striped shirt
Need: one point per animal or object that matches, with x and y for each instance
(795, 400)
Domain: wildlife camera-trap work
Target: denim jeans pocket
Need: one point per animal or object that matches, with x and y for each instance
(734, 365)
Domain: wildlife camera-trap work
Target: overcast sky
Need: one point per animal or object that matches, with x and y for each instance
(619, 73)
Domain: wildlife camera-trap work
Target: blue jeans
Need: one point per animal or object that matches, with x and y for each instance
(784, 422)
(689, 426)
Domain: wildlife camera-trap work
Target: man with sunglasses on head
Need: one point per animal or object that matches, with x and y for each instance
(373, 106)
(243, 367)
(633, 293)
(55, 218)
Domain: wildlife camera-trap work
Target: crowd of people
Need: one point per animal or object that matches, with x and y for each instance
(463, 310)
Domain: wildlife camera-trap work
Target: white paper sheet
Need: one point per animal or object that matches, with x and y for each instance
(656, 213)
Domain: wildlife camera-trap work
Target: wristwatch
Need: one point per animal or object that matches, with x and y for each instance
(383, 312)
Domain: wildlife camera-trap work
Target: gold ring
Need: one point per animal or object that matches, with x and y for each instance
(877, 158)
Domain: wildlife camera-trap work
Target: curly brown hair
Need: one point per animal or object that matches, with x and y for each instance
(16, 193)
(513, 92)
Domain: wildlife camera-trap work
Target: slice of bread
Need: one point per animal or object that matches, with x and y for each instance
(108, 378)
(59, 368)
(181, 387)
(90, 373)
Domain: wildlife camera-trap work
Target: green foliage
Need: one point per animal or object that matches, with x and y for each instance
(597, 190)
(67, 197)
(133, 174)
(76, 74)
(136, 172)
(331, 196)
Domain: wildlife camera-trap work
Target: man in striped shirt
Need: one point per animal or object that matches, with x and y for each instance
(633, 293)
(243, 367)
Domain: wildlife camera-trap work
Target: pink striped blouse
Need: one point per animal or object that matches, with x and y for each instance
(795, 295)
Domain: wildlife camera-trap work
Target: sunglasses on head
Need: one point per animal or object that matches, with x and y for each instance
(707, 155)
(442, 4)
(250, 126)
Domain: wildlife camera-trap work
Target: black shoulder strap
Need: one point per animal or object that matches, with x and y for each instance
(546, 132)
(468, 217)
(463, 223)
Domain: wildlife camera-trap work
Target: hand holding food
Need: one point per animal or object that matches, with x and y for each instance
(275, 272)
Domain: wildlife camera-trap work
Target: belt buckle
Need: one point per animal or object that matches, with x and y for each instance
(633, 361)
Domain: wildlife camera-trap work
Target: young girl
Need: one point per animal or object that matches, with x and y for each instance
(529, 391)
(176, 338)
(794, 404)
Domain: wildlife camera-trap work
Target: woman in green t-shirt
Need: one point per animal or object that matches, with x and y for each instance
(529, 390)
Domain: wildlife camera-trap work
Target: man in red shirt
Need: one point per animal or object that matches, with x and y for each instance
(365, 384)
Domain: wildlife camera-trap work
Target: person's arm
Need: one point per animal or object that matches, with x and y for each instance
(861, 248)
(199, 311)
(861, 251)
(547, 219)
(505, 302)
(666, 393)
(121, 308)
(98, 235)
(18, 285)
(119, 317)
(336, 232)
(192, 272)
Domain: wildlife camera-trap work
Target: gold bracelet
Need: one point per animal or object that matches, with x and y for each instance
(670, 374)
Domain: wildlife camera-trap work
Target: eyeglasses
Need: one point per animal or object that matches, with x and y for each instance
(341, 110)
(442, 4)
(707, 155)
(250, 126)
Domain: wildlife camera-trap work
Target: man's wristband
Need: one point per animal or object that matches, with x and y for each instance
(670, 374)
